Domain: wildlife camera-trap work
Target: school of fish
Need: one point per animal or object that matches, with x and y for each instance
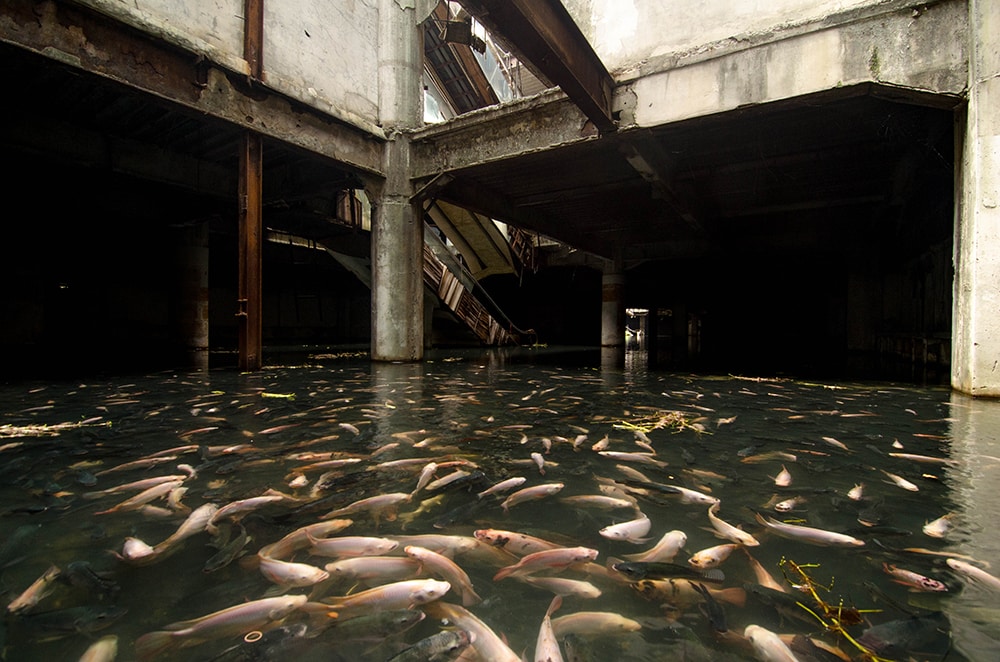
(255, 523)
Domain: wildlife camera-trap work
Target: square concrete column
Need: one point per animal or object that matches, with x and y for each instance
(613, 301)
(975, 361)
(397, 224)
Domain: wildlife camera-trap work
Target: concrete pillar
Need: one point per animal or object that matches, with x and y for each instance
(613, 302)
(975, 361)
(397, 226)
(192, 295)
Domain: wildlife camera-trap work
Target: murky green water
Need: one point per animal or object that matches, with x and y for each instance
(726, 437)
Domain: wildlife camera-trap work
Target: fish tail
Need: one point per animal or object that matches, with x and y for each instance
(503, 573)
(470, 597)
(153, 644)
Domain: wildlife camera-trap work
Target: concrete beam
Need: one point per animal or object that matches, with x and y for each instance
(544, 33)
(98, 45)
(919, 48)
(541, 123)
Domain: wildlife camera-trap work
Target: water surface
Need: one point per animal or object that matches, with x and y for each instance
(487, 412)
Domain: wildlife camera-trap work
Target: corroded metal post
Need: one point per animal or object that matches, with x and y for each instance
(251, 205)
(250, 247)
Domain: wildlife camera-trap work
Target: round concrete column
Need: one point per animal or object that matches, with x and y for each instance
(612, 309)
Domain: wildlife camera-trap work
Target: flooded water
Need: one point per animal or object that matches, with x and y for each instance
(333, 431)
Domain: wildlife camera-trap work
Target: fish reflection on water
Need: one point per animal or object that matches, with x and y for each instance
(462, 511)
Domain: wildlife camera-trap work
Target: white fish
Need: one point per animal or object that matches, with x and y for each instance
(688, 495)
(728, 531)
(665, 550)
(835, 443)
(789, 505)
(712, 557)
(405, 594)
(286, 573)
(856, 493)
(425, 476)
(601, 501)
(901, 482)
(563, 586)
(808, 534)
(546, 646)
(768, 646)
(503, 486)
(352, 546)
(784, 477)
(234, 621)
(645, 458)
(104, 649)
(977, 575)
(31, 596)
(446, 569)
(539, 461)
(631, 531)
(530, 494)
(938, 528)
(593, 623)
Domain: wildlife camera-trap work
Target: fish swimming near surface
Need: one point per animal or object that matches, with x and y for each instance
(546, 646)
(547, 560)
(914, 580)
(768, 646)
(531, 494)
(444, 645)
(484, 641)
(233, 621)
(977, 575)
(665, 550)
(593, 623)
(632, 531)
(939, 527)
(405, 594)
(503, 486)
(820, 537)
(728, 531)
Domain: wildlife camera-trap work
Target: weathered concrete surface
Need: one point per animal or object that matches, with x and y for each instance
(613, 302)
(397, 224)
(154, 65)
(923, 50)
(316, 52)
(547, 121)
(976, 320)
(629, 34)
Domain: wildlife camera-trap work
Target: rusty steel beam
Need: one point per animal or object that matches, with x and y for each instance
(543, 33)
(88, 41)
(251, 235)
(253, 36)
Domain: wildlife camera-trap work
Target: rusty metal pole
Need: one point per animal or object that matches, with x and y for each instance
(251, 206)
(250, 246)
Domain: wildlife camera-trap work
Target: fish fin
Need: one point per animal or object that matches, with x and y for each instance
(733, 595)
(153, 644)
(470, 598)
(554, 606)
(714, 575)
(503, 573)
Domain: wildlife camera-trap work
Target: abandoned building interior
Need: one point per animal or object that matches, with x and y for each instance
(752, 211)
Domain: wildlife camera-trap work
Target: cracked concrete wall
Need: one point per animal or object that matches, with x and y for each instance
(631, 35)
(320, 53)
(923, 50)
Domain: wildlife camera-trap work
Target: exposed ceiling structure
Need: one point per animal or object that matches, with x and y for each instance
(757, 174)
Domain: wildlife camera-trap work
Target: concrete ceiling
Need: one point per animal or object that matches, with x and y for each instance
(776, 175)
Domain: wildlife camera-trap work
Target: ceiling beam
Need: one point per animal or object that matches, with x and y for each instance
(543, 33)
